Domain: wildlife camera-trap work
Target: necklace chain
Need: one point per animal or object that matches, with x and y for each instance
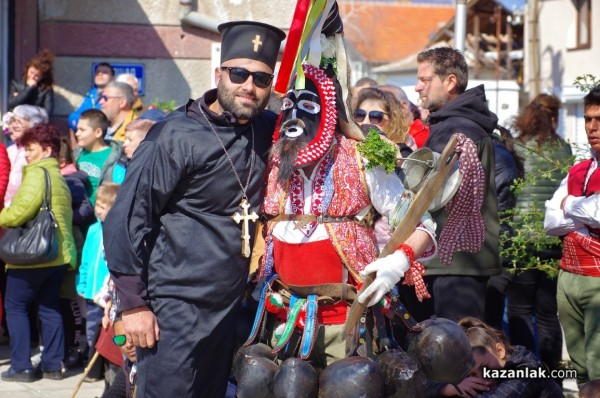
(244, 188)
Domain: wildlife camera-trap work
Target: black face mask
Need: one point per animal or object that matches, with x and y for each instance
(308, 116)
(301, 113)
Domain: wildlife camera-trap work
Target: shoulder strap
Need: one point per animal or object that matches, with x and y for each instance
(47, 199)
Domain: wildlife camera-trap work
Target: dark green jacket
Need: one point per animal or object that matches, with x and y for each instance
(542, 177)
(469, 114)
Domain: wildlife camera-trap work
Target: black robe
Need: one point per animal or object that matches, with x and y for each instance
(169, 237)
(171, 222)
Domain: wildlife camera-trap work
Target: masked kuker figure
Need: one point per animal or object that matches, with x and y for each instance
(319, 201)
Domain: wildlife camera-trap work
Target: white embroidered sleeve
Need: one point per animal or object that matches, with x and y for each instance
(556, 221)
(583, 211)
(386, 191)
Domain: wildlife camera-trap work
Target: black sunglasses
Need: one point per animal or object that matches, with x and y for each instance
(239, 75)
(375, 117)
(119, 340)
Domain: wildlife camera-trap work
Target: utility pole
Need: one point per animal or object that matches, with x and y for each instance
(534, 53)
(498, 20)
(460, 25)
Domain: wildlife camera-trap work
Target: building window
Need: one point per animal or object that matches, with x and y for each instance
(584, 26)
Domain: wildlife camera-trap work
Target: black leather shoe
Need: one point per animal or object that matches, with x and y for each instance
(53, 375)
(74, 359)
(24, 376)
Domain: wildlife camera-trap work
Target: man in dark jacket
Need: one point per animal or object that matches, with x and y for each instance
(508, 167)
(172, 238)
(459, 288)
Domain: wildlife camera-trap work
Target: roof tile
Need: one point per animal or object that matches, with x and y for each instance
(388, 32)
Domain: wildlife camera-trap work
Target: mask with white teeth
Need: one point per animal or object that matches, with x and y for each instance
(309, 114)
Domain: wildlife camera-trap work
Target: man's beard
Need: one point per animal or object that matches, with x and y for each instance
(287, 150)
(433, 105)
(227, 99)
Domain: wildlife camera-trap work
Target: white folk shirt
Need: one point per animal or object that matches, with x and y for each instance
(385, 190)
(577, 213)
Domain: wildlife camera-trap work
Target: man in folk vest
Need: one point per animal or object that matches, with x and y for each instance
(573, 214)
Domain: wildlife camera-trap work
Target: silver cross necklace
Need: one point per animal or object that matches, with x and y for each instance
(244, 216)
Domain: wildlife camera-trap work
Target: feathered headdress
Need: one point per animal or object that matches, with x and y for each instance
(316, 38)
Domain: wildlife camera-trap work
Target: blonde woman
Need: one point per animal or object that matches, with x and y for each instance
(382, 109)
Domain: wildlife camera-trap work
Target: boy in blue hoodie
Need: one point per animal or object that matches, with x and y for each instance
(93, 271)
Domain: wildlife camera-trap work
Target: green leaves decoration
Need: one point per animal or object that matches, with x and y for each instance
(378, 151)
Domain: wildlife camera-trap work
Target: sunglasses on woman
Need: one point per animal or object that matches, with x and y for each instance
(119, 340)
(239, 75)
(375, 117)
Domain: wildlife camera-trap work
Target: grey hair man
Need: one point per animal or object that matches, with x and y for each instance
(133, 81)
(117, 104)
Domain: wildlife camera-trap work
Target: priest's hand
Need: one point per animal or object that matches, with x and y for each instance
(390, 270)
(141, 327)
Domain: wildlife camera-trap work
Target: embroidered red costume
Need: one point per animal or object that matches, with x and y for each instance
(581, 252)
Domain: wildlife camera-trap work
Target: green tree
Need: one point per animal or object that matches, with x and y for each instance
(526, 235)
(586, 82)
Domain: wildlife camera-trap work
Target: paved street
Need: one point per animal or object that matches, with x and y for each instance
(47, 388)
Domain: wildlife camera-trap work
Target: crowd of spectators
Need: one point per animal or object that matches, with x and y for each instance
(86, 162)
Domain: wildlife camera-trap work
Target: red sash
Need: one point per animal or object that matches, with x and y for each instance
(309, 264)
(581, 253)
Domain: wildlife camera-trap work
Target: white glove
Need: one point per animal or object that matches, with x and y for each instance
(390, 270)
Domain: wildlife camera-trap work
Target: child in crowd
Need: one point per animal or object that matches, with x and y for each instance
(123, 385)
(135, 132)
(492, 350)
(93, 271)
(83, 217)
(95, 156)
(591, 389)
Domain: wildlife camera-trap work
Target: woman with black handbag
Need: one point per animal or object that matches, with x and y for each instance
(37, 280)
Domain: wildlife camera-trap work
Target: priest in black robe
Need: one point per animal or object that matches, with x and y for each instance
(178, 236)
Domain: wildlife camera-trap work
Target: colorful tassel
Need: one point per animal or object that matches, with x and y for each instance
(301, 321)
(274, 303)
(386, 303)
(278, 331)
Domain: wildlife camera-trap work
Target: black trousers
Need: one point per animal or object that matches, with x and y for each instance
(118, 388)
(532, 294)
(497, 289)
(193, 357)
(457, 296)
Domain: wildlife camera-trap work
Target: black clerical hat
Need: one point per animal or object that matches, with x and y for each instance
(253, 40)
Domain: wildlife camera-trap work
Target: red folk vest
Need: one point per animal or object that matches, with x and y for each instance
(355, 244)
(581, 253)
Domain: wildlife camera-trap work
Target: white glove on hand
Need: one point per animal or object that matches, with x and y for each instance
(390, 270)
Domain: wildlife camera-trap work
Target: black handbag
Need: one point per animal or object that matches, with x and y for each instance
(35, 242)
